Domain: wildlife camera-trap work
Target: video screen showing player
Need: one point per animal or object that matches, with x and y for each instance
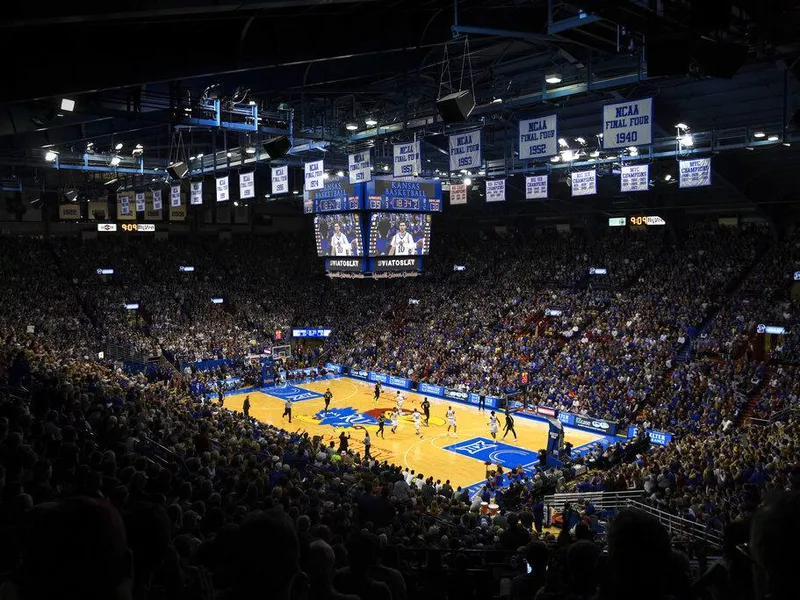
(399, 234)
(338, 234)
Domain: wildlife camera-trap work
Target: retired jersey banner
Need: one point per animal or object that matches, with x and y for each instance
(584, 183)
(69, 211)
(628, 124)
(98, 210)
(407, 159)
(496, 190)
(157, 200)
(458, 193)
(177, 213)
(694, 173)
(535, 187)
(197, 192)
(124, 212)
(359, 165)
(465, 150)
(538, 138)
(247, 185)
(315, 175)
(175, 195)
(223, 192)
(634, 178)
(280, 180)
(140, 207)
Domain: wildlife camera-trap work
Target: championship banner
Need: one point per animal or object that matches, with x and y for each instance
(177, 213)
(314, 175)
(140, 207)
(69, 212)
(223, 193)
(458, 193)
(359, 166)
(694, 173)
(98, 210)
(465, 150)
(634, 178)
(496, 190)
(628, 124)
(407, 159)
(584, 183)
(157, 200)
(124, 212)
(175, 195)
(535, 187)
(280, 180)
(150, 212)
(538, 138)
(247, 185)
(197, 192)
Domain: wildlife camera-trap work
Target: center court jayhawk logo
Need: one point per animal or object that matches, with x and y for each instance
(347, 416)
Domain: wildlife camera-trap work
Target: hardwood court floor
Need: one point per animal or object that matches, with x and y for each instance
(352, 404)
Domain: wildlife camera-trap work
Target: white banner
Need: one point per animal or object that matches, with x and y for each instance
(280, 180)
(197, 192)
(175, 195)
(465, 150)
(140, 202)
(223, 193)
(359, 166)
(247, 185)
(694, 173)
(628, 124)
(496, 190)
(634, 178)
(124, 205)
(156, 199)
(584, 183)
(315, 172)
(458, 193)
(535, 187)
(407, 159)
(538, 138)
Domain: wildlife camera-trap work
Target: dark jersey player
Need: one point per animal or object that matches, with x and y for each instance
(377, 392)
(426, 409)
(328, 397)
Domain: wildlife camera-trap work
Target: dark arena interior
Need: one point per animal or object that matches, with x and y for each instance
(400, 300)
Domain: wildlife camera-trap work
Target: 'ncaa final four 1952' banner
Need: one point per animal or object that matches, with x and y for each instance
(694, 173)
(538, 138)
(407, 159)
(465, 150)
(628, 124)
(359, 165)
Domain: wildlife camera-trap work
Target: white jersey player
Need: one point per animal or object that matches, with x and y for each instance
(417, 420)
(493, 424)
(340, 245)
(402, 243)
(451, 421)
(400, 400)
(395, 419)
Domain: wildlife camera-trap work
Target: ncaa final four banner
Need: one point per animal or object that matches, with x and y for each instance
(465, 150)
(157, 200)
(223, 193)
(496, 190)
(314, 172)
(196, 196)
(359, 165)
(247, 185)
(694, 173)
(628, 124)
(140, 207)
(407, 159)
(538, 138)
(584, 183)
(634, 178)
(458, 193)
(280, 180)
(175, 196)
(535, 187)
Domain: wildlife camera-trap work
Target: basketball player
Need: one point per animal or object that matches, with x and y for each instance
(287, 410)
(395, 419)
(381, 423)
(402, 243)
(328, 397)
(400, 399)
(426, 408)
(377, 392)
(451, 421)
(246, 406)
(493, 426)
(340, 245)
(367, 445)
(417, 421)
(509, 427)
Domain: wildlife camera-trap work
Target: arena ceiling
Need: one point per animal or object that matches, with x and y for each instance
(727, 68)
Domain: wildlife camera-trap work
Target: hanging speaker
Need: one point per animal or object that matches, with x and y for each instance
(277, 147)
(70, 195)
(456, 107)
(178, 170)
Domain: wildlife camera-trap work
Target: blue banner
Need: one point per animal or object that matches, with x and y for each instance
(359, 373)
(659, 438)
(408, 195)
(337, 195)
(427, 388)
(334, 368)
(400, 382)
(378, 377)
(606, 427)
(456, 395)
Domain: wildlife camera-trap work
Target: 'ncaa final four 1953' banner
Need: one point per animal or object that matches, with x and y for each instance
(694, 173)
(407, 159)
(359, 165)
(538, 138)
(465, 150)
(628, 124)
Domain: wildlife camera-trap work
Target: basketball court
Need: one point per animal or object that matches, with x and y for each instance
(460, 459)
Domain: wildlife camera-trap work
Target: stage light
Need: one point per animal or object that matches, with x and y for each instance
(115, 160)
(467, 181)
(340, 173)
(138, 150)
(325, 175)
(51, 156)
(118, 147)
(295, 192)
(385, 167)
(555, 159)
(371, 122)
(773, 138)
(351, 127)
(67, 104)
(497, 101)
(192, 157)
(252, 102)
(595, 154)
(686, 140)
(682, 126)
(235, 203)
(200, 155)
(553, 78)
(250, 150)
(580, 140)
(229, 154)
(562, 142)
(667, 177)
(759, 134)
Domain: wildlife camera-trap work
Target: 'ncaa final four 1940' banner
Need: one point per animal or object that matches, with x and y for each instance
(628, 124)
(694, 173)
(465, 150)
(407, 159)
(634, 178)
(495, 190)
(247, 185)
(315, 175)
(359, 165)
(538, 138)
(280, 180)
(535, 187)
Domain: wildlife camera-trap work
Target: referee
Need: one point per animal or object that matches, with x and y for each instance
(287, 411)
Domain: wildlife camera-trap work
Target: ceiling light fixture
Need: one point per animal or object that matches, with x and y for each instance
(759, 134)
(562, 142)
(340, 173)
(228, 154)
(467, 181)
(555, 159)
(51, 156)
(682, 126)
(371, 122)
(118, 146)
(115, 160)
(667, 177)
(250, 150)
(553, 78)
(580, 140)
(351, 127)
(773, 138)
(67, 104)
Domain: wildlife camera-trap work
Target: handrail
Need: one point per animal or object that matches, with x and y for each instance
(162, 452)
(599, 499)
(679, 525)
